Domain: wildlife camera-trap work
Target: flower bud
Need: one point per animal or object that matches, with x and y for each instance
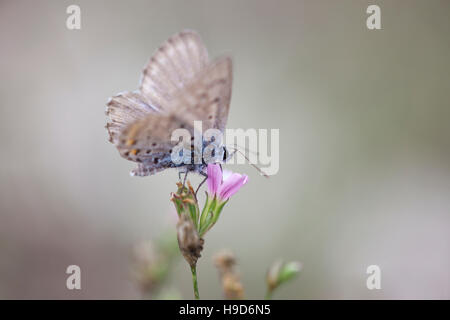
(281, 272)
(232, 287)
(225, 261)
(231, 283)
(185, 202)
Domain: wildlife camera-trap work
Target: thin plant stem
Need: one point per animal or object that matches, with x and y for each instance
(268, 295)
(194, 282)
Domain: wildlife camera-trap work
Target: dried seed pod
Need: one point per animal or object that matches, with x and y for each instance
(231, 283)
(189, 241)
(225, 261)
(232, 286)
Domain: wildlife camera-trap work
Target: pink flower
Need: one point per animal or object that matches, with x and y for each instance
(224, 184)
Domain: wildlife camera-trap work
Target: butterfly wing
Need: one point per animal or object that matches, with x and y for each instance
(129, 117)
(124, 109)
(144, 170)
(207, 97)
(149, 140)
(179, 60)
(178, 86)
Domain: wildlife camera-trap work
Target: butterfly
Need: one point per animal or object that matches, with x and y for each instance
(179, 85)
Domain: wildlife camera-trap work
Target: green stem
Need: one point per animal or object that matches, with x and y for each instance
(194, 282)
(268, 295)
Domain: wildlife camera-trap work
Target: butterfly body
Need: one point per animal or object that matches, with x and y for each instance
(179, 86)
(152, 166)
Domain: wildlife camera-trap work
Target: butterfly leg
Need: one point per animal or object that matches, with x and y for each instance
(201, 183)
(180, 172)
(185, 177)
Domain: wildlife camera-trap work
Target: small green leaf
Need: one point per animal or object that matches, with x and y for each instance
(193, 213)
(210, 203)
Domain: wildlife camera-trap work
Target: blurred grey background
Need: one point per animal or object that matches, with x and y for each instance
(365, 155)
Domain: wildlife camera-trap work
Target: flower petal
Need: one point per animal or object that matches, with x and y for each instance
(214, 178)
(231, 185)
(226, 174)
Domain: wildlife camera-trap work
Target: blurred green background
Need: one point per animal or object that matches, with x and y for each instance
(364, 146)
